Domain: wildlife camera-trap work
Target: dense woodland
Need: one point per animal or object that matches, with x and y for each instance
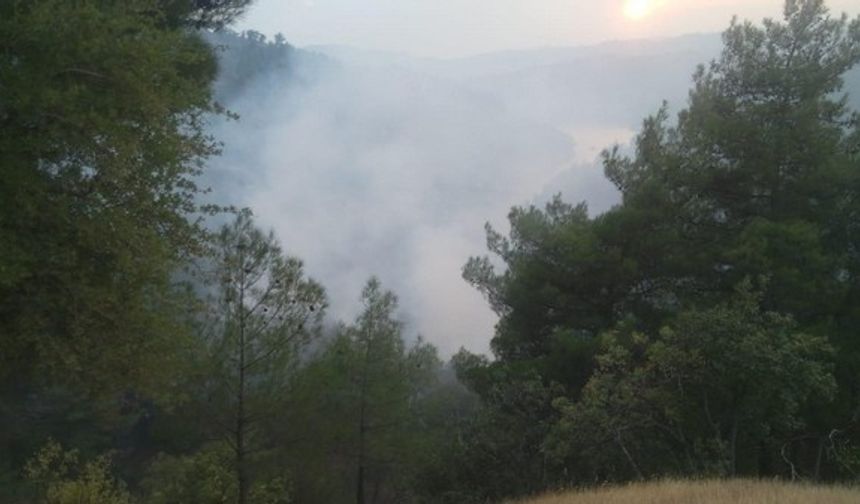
(159, 347)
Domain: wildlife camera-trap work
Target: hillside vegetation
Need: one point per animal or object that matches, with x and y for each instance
(708, 492)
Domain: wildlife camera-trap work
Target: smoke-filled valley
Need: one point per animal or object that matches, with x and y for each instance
(369, 163)
(234, 270)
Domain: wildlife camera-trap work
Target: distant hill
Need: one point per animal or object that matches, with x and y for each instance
(247, 58)
(612, 84)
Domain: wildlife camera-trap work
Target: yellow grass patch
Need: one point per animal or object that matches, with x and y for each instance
(708, 492)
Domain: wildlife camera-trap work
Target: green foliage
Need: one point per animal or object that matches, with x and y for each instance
(369, 395)
(206, 477)
(260, 305)
(668, 366)
(212, 14)
(102, 115)
(498, 452)
(62, 478)
(260, 314)
(557, 276)
(102, 111)
(713, 384)
(275, 491)
(759, 174)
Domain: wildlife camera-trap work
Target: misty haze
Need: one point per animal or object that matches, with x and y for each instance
(370, 163)
(378, 164)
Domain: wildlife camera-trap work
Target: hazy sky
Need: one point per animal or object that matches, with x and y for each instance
(446, 28)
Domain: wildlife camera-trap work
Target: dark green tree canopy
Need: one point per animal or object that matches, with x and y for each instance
(212, 14)
(759, 175)
(757, 178)
(102, 108)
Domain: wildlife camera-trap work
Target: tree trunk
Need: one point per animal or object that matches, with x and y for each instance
(818, 458)
(241, 475)
(362, 424)
(359, 487)
(733, 447)
(629, 456)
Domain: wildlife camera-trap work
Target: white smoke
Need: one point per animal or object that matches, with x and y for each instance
(392, 168)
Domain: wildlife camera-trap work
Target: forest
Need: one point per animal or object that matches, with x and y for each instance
(158, 345)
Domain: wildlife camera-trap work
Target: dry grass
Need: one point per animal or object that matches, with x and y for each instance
(708, 492)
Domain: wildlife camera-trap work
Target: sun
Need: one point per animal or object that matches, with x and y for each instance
(637, 9)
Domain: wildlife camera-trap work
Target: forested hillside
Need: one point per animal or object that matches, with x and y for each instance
(158, 344)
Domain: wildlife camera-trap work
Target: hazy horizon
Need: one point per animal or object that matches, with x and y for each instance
(449, 29)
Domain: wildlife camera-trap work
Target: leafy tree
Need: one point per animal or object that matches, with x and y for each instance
(757, 177)
(715, 384)
(205, 477)
(762, 162)
(366, 392)
(498, 451)
(102, 114)
(63, 479)
(102, 111)
(560, 289)
(212, 14)
(263, 311)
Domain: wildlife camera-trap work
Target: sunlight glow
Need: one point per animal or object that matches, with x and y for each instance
(637, 9)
